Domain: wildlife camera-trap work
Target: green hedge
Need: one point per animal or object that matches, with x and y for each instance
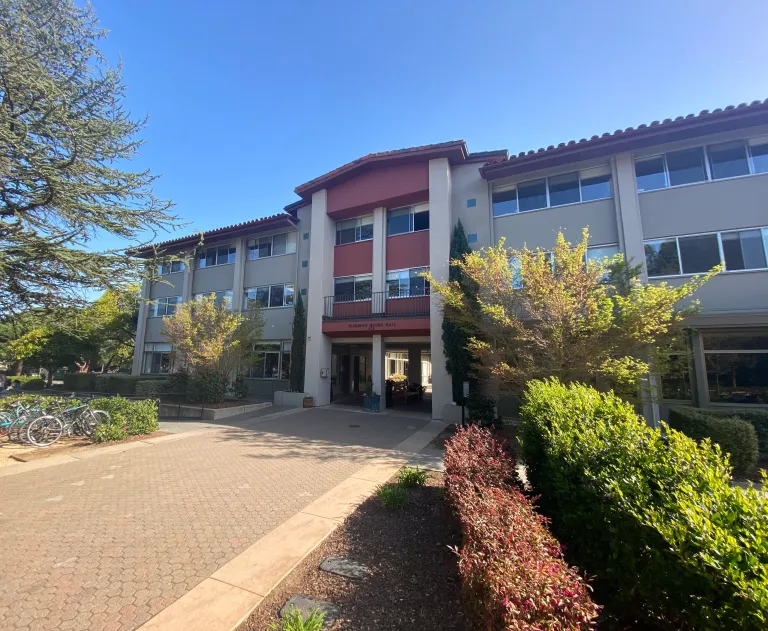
(33, 383)
(151, 387)
(128, 418)
(735, 436)
(83, 381)
(655, 519)
(756, 417)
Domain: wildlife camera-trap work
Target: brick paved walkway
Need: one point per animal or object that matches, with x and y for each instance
(108, 542)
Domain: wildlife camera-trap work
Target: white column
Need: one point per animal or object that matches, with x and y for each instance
(186, 283)
(439, 254)
(317, 374)
(241, 254)
(141, 329)
(378, 368)
(379, 260)
(414, 364)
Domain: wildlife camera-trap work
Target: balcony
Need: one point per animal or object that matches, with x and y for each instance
(379, 305)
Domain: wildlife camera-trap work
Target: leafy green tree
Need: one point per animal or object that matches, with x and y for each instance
(540, 315)
(298, 345)
(458, 331)
(65, 141)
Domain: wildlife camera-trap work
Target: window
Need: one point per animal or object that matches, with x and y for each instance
(759, 154)
(276, 245)
(218, 297)
(737, 365)
(271, 360)
(728, 160)
(269, 296)
(651, 174)
(514, 268)
(686, 167)
(600, 252)
(661, 257)
(221, 255)
(172, 267)
(166, 306)
(408, 219)
(407, 283)
(697, 254)
(351, 288)
(676, 380)
(157, 358)
(557, 190)
(353, 230)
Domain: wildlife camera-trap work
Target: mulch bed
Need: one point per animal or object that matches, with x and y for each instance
(72, 444)
(414, 581)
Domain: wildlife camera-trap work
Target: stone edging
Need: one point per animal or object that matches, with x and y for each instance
(225, 599)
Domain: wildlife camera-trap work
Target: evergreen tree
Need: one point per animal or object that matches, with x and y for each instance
(65, 139)
(298, 345)
(456, 332)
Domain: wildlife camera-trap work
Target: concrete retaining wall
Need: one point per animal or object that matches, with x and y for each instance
(290, 399)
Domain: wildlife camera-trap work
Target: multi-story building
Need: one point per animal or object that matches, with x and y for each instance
(678, 196)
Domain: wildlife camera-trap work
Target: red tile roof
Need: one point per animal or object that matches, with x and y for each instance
(658, 132)
(239, 229)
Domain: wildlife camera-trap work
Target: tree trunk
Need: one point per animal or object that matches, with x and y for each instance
(17, 368)
(49, 381)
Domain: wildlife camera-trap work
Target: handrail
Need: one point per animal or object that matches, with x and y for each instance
(378, 304)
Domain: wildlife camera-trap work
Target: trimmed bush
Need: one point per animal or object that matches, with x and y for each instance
(33, 383)
(512, 569)
(671, 542)
(82, 381)
(482, 410)
(151, 387)
(735, 436)
(107, 432)
(755, 417)
(130, 417)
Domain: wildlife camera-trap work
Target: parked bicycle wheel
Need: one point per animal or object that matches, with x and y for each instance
(89, 420)
(45, 431)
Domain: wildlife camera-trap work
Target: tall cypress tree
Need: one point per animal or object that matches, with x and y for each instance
(458, 359)
(298, 345)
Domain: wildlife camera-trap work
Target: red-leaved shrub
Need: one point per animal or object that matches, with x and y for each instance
(513, 573)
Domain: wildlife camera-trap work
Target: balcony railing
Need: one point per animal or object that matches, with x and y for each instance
(380, 305)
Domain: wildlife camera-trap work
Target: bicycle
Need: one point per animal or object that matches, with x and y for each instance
(79, 419)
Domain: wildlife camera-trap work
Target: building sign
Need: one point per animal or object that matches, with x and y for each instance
(414, 326)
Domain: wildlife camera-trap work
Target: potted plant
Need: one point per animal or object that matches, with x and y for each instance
(371, 400)
(308, 402)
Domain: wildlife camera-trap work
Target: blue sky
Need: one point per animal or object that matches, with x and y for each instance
(248, 99)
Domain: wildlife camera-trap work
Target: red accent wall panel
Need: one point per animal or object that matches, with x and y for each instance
(408, 250)
(353, 258)
(386, 186)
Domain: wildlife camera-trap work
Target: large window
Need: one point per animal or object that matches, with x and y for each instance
(275, 245)
(157, 358)
(737, 366)
(272, 360)
(352, 230)
(351, 288)
(595, 254)
(165, 306)
(407, 283)
(676, 380)
(408, 219)
(269, 296)
(696, 254)
(172, 267)
(700, 164)
(557, 190)
(222, 255)
(220, 297)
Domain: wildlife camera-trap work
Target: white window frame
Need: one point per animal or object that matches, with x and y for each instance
(365, 220)
(355, 278)
(169, 266)
(582, 174)
(748, 144)
(413, 210)
(217, 298)
(764, 233)
(251, 243)
(283, 348)
(163, 304)
(217, 248)
(285, 286)
(427, 287)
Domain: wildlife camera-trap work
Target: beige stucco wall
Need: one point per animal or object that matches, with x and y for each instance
(467, 183)
(277, 323)
(217, 278)
(539, 228)
(705, 207)
(168, 285)
(154, 325)
(270, 271)
(305, 226)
